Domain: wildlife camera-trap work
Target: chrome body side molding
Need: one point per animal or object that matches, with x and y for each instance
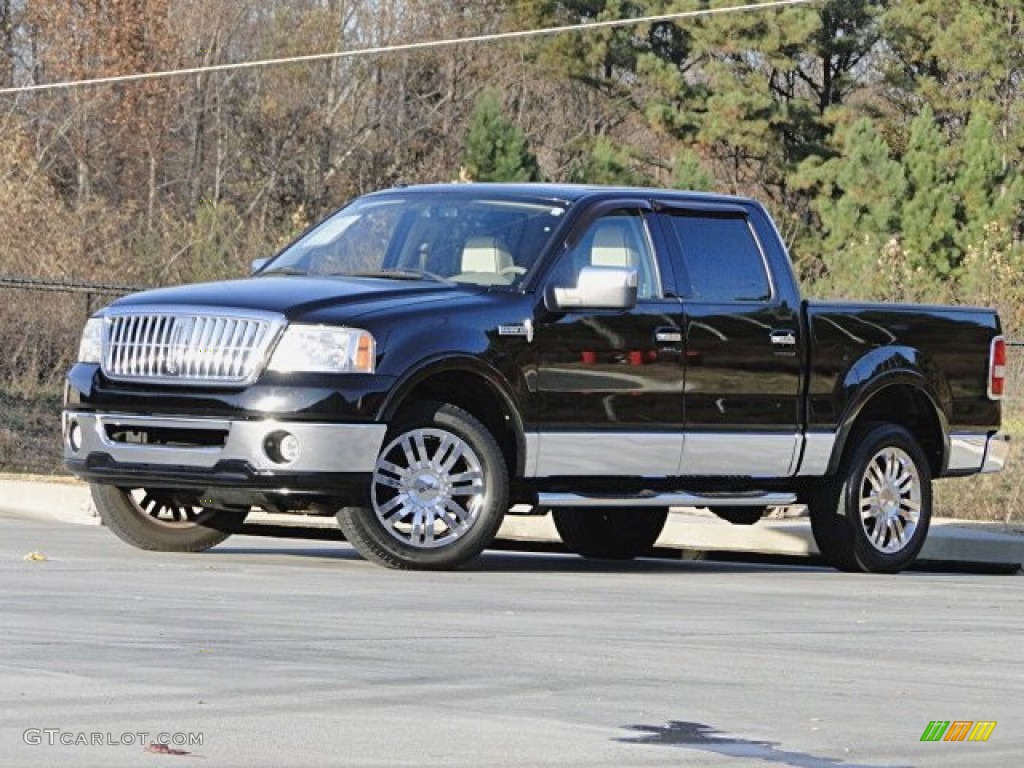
(818, 447)
(595, 454)
(676, 454)
(728, 454)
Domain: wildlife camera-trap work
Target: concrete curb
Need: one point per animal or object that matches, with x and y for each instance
(949, 540)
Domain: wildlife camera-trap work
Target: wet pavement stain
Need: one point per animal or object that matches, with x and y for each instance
(678, 733)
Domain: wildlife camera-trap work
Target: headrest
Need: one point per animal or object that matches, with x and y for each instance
(485, 254)
(609, 247)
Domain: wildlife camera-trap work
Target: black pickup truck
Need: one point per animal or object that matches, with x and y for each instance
(429, 357)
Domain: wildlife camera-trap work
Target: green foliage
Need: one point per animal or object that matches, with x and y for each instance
(864, 189)
(608, 163)
(859, 206)
(928, 214)
(954, 54)
(496, 149)
(688, 172)
(990, 190)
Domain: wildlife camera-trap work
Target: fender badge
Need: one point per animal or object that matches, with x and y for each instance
(523, 329)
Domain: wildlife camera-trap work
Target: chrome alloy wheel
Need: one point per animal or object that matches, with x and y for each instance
(168, 511)
(890, 500)
(428, 488)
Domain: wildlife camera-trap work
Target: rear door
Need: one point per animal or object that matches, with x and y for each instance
(742, 343)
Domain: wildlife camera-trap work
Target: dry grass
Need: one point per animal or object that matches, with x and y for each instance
(30, 432)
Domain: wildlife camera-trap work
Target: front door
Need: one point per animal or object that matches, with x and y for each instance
(607, 387)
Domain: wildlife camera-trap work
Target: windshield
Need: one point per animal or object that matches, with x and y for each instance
(456, 238)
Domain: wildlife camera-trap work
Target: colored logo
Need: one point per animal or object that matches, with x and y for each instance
(958, 730)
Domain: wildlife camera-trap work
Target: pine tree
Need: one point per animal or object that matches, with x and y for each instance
(608, 163)
(929, 213)
(989, 191)
(953, 54)
(688, 172)
(859, 206)
(496, 149)
(867, 187)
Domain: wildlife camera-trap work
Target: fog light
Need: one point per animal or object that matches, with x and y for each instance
(75, 436)
(288, 447)
(281, 447)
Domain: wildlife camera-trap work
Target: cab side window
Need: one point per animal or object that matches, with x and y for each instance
(723, 259)
(617, 239)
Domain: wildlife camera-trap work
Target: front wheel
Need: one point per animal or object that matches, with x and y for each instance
(873, 516)
(439, 492)
(161, 520)
(611, 533)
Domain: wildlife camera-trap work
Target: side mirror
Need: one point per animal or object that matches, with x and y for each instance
(257, 264)
(597, 288)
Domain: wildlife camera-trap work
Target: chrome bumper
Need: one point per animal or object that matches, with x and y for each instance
(336, 448)
(978, 452)
(997, 448)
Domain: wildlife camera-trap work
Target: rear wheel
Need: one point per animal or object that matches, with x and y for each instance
(610, 533)
(873, 516)
(161, 521)
(439, 492)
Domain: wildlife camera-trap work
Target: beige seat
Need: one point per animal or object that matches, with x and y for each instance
(485, 254)
(610, 249)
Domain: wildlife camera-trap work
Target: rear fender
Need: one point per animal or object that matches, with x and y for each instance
(875, 375)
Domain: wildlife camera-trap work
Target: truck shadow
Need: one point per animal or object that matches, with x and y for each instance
(511, 558)
(705, 738)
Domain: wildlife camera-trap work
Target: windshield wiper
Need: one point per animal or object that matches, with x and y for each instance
(281, 271)
(403, 274)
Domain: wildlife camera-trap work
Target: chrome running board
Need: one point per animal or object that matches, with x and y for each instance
(675, 499)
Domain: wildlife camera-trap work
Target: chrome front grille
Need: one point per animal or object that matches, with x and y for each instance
(187, 346)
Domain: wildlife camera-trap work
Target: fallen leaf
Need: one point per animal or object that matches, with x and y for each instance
(35, 557)
(163, 749)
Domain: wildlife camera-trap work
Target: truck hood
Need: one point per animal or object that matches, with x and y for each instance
(297, 296)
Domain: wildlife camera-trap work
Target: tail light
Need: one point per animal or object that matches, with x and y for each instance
(997, 368)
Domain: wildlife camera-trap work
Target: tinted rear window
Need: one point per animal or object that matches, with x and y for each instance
(722, 257)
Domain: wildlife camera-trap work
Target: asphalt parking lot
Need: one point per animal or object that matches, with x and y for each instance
(282, 652)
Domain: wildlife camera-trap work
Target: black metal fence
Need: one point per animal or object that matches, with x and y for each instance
(40, 323)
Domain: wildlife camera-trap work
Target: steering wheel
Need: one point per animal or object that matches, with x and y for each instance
(513, 270)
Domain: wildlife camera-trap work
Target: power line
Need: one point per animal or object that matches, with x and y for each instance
(405, 47)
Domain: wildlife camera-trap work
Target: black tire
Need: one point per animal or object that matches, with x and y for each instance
(740, 515)
(386, 533)
(157, 521)
(609, 533)
(844, 536)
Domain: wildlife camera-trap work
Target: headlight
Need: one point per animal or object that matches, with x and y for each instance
(90, 348)
(322, 349)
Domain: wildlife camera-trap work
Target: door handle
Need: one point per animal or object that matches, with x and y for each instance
(668, 336)
(783, 342)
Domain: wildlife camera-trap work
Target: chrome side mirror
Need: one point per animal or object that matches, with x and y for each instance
(597, 288)
(257, 264)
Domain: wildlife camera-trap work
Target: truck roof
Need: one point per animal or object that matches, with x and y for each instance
(566, 192)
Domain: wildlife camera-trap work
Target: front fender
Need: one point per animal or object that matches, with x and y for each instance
(459, 363)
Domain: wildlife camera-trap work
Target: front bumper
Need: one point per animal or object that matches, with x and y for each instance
(202, 451)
